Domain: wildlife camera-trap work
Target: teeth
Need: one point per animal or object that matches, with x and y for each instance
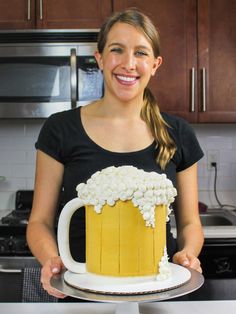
(126, 78)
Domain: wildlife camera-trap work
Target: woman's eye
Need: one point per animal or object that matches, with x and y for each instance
(141, 53)
(116, 50)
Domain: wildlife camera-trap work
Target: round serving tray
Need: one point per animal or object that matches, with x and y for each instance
(129, 285)
(196, 281)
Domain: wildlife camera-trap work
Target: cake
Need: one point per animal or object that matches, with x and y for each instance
(126, 214)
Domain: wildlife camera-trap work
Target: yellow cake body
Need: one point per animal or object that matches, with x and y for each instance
(118, 242)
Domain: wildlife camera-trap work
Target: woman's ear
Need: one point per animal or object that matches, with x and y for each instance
(156, 65)
(98, 58)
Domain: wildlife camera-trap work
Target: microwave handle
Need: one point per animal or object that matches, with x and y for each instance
(73, 77)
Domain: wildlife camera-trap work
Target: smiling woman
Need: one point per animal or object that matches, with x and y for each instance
(124, 127)
(127, 63)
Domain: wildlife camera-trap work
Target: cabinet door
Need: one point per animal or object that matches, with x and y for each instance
(67, 14)
(15, 14)
(172, 84)
(217, 56)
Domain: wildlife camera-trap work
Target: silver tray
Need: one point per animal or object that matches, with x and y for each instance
(195, 282)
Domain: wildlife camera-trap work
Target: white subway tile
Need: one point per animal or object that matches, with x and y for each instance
(11, 128)
(225, 197)
(30, 183)
(12, 156)
(7, 200)
(203, 184)
(228, 156)
(201, 169)
(23, 171)
(5, 170)
(13, 184)
(30, 156)
(33, 128)
(226, 183)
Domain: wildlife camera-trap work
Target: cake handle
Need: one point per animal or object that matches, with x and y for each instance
(127, 308)
(63, 236)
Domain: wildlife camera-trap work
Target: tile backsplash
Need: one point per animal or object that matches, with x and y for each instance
(17, 160)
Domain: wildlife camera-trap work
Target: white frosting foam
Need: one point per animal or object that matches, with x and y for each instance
(164, 267)
(146, 190)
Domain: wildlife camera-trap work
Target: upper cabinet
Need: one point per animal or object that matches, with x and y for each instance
(53, 14)
(198, 46)
(15, 14)
(217, 60)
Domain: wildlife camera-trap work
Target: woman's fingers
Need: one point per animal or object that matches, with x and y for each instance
(187, 260)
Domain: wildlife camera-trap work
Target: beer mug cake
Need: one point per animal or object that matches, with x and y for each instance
(126, 214)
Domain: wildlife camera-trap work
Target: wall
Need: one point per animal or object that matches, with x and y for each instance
(220, 138)
(17, 160)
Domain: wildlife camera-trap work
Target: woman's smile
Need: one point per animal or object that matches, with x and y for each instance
(126, 80)
(127, 63)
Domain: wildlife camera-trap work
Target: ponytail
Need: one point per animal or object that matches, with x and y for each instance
(150, 113)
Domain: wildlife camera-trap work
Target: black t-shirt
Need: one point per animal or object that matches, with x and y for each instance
(64, 138)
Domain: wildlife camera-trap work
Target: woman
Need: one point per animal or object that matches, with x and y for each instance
(125, 127)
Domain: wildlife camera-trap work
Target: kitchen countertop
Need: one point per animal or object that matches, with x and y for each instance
(215, 232)
(193, 307)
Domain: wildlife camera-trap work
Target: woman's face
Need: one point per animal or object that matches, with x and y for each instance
(127, 62)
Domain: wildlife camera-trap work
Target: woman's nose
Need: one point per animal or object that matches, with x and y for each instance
(129, 61)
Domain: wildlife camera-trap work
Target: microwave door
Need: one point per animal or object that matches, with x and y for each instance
(73, 78)
(36, 80)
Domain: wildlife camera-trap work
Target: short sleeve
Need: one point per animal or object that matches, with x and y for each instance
(50, 139)
(188, 148)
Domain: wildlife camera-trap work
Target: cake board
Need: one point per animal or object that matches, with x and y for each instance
(129, 303)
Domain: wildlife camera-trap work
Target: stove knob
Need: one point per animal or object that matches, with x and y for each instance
(11, 244)
(3, 247)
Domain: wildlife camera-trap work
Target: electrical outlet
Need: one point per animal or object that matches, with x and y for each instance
(213, 155)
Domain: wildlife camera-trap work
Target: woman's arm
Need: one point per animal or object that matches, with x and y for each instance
(189, 230)
(40, 230)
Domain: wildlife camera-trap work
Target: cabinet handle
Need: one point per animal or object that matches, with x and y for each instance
(41, 9)
(28, 13)
(192, 90)
(73, 77)
(9, 271)
(203, 89)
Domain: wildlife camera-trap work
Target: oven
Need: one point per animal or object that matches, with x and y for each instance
(218, 255)
(42, 73)
(218, 260)
(19, 270)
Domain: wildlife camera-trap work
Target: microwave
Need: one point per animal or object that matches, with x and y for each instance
(39, 79)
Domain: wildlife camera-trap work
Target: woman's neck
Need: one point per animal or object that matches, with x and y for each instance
(111, 107)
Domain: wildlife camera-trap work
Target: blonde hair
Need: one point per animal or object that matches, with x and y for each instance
(150, 112)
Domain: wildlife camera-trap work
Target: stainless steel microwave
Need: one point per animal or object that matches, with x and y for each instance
(39, 79)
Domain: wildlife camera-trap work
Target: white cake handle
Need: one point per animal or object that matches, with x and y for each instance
(63, 236)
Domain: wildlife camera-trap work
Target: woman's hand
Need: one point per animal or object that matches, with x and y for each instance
(187, 260)
(50, 268)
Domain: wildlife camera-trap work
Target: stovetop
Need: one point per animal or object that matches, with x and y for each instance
(16, 218)
(20, 215)
(13, 226)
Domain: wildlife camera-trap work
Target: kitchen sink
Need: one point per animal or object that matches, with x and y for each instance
(214, 217)
(215, 220)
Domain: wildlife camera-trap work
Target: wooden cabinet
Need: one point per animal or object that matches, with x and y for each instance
(73, 13)
(198, 46)
(198, 39)
(53, 14)
(15, 14)
(217, 60)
